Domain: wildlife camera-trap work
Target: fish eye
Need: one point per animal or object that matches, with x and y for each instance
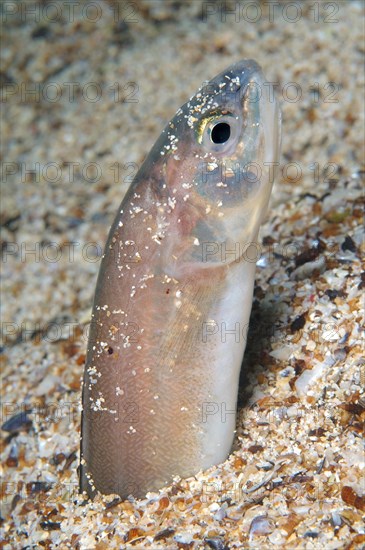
(220, 132)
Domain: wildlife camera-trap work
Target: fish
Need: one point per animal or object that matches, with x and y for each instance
(174, 292)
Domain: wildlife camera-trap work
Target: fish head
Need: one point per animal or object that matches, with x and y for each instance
(221, 167)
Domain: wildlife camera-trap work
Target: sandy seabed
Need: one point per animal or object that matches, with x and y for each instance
(85, 93)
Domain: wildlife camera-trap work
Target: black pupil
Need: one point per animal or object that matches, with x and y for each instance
(221, 132)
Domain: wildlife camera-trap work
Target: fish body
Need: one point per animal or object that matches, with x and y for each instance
(174, 292)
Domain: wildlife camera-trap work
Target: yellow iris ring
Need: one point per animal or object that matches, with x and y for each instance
(216, 116)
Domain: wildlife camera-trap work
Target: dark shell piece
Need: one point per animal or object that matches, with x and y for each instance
(19, 421)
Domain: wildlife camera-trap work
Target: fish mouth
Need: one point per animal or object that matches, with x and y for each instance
(233, 80)
(242, 69)
(237, 77)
